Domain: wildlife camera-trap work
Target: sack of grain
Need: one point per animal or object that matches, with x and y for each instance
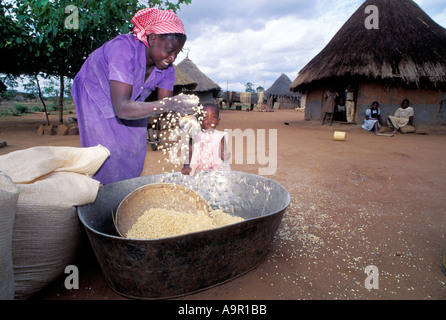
(51, 181)
(9, 195)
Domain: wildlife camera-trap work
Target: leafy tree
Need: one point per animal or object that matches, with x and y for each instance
(248, 87)
(54, 37)
(31, 88)
(50, 89)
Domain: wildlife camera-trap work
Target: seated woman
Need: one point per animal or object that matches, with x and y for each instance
(402, 120)
(372, 119)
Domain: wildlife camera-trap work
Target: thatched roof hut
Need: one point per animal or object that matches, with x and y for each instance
(279, 93)
(206, 88)
(183, 82)
(405, 56)
(408, 46)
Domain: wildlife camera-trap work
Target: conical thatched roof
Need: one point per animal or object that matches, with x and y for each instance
(408, 46)
(203, 82)
(183, 80)
(281, 87)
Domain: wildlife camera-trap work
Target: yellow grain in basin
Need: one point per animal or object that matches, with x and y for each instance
(163, 223)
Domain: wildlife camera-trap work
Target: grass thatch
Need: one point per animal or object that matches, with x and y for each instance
(280, 88)
(182, 80)
(203, 82)
(408, 46)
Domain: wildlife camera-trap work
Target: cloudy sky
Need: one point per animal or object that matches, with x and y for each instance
(238, 41)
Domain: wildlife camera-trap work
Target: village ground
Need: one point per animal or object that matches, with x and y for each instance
(367, 201)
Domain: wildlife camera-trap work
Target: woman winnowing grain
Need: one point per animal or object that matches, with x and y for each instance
(110, 89)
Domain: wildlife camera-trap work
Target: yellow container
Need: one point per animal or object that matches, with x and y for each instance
(339, 136)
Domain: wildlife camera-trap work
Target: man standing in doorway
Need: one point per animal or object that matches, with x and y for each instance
(350, 104)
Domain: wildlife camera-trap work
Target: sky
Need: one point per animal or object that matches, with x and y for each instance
(238, 41)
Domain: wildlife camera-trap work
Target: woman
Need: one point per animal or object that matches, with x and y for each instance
(329, 104)
(372, 119)
(110, 89)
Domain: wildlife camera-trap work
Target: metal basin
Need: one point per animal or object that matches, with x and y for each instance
(177, 266)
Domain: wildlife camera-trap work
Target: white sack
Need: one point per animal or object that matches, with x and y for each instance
(24, 166)
(9, 195)
(52, 181)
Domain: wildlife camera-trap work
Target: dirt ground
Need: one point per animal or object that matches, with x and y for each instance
(365, 201)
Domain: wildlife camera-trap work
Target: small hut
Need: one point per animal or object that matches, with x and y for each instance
(206, 90)
(183, 83)
(402, 56)
(279, 96)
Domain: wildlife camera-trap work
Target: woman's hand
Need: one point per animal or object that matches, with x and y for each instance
(183, 104)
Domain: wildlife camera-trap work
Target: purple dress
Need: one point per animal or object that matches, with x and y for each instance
(122, 59)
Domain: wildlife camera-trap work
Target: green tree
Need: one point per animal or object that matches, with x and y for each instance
(31, 88)
(54, 37)
(249, 87)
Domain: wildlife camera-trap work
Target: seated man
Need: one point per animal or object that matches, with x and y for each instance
(402, 120)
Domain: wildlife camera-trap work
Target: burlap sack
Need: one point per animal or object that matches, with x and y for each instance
(52, 181)
(9, 195)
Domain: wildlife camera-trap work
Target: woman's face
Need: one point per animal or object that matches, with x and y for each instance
(163, 51)
(404, 105)
(374, 106)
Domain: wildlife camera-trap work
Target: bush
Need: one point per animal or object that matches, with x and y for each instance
(5, 113)
(37, 109)
(20, 109)
(52, 107)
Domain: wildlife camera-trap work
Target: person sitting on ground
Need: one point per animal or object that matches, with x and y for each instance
(402, 120)
(372, 119)
(207, 148)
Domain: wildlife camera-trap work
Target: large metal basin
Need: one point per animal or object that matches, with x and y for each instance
(176, 266)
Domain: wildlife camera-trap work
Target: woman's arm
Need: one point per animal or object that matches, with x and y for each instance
(133, 110)
(127, 109)
(164, 93)
(368, 114)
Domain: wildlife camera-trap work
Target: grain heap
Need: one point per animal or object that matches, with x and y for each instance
(163, 223)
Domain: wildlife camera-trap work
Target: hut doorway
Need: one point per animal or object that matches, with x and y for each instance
(344, 97)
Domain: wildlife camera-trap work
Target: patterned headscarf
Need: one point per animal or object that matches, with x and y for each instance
(157, 21)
